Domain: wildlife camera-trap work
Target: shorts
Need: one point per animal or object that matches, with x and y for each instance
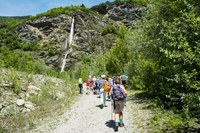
(119, 106)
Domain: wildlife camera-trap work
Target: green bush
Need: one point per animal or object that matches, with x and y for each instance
(60, 10)
(30, 46)
(164, 48)
(109, 29)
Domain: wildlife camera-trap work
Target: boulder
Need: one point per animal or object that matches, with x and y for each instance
(33, 89)
(29, 105)
(20, 102)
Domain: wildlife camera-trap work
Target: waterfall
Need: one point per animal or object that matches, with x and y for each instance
(68, 45)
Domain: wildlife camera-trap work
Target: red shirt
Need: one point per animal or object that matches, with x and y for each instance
(88, 83)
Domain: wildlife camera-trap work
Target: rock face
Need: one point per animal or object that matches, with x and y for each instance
(12, 103)
(123, 12)
(52, 31)
(55, 30)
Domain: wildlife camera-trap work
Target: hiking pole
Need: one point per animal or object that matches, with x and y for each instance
(111, 109)
(126, 114)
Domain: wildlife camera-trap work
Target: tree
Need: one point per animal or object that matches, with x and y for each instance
(119, 55)
(167, 42)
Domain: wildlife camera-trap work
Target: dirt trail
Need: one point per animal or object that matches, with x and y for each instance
(85, 116)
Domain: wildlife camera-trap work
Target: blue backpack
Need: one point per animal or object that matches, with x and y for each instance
(117, 93)
(97, 82)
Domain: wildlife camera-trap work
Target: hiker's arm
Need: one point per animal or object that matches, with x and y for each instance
(124, 90)
(110, 93)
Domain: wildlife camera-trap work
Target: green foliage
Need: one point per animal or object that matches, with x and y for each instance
(30, 46)
(21, 61)
(165, 48)
(98, 67)
(109, 29)
(119, 55)
(83, 68)
(168, 121)
(8, 38)
(53, 99)
(86, 59)
(141, 2)
(52, 52)
(83, 71)
(15, 82)
(60, 10)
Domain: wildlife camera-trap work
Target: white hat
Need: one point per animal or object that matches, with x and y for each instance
(103, 76)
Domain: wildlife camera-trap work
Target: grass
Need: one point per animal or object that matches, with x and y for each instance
(159, 119)
(54, 99)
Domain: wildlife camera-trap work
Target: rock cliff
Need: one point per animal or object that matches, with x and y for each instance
(87, 37)
(123, 12)
(52, 30)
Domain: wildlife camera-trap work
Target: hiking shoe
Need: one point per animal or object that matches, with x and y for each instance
(116, 128)
(121, 124)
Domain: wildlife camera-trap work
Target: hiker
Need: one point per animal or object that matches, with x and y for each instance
(91, 83)
(102, 92)
(123, 79)
(94, 85)
(110, 82)
(97, 88)
(106, 89)
(88, 87)
(113, 80)
(80, 84)
(118, 94)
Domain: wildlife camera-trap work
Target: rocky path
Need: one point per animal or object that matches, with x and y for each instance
(86, 116)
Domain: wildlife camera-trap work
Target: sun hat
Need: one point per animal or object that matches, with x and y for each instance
(103, 76)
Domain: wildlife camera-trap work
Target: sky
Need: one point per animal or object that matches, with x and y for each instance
(33, 7)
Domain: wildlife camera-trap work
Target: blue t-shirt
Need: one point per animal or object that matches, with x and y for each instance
(101, 83)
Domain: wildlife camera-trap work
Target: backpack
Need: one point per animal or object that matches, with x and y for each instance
(106, 86)
(97, 82)
(117, 93)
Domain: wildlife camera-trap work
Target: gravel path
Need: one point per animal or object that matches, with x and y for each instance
(87, 117)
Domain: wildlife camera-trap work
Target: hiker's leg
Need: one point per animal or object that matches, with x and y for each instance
(88, 89)
(81, 89)
(114, 108)
(121, 117)
(116, 121)
(121, 108)
(101, 96)
(104, 98)
(98, 90)
(116, 111)
(79, 86)
(117, 118)
(108, 95)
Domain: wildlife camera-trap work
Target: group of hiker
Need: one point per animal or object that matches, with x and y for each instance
(108, 89)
